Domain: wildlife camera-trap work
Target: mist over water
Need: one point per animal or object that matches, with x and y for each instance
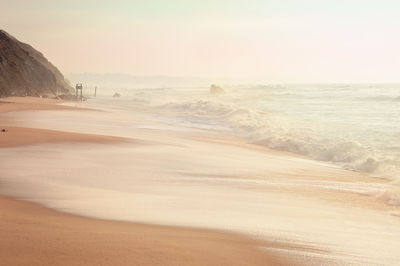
(172, 175)
(356, 126)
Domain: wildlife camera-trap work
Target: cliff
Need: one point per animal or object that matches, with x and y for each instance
(25, 71)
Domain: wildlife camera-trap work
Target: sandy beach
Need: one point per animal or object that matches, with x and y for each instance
(34, 235)
(200, 133)
(205, 203)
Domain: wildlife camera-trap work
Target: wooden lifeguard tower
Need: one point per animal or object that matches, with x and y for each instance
(78, 91)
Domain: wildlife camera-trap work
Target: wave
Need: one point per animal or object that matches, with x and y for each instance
(381, 98)
(389, 195)
(261, 129)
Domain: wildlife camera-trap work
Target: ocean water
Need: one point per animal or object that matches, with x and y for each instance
(169, 175)
(355, 126)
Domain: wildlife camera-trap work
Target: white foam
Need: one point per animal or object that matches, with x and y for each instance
(181, 181)
(261, 129)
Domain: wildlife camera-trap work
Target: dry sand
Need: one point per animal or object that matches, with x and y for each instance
(34, 235)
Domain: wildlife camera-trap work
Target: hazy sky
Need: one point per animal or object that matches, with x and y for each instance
(270, 40)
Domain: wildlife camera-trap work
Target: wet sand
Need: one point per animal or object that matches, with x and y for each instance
(34, 235)
(302, 210)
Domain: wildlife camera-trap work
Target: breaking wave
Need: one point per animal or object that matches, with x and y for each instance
(381, 98)
(262, 129)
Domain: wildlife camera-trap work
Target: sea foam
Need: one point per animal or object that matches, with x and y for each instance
(261, 129)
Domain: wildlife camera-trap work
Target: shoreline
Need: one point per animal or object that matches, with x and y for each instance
(20, 136)
(36, 235)
(185, 179)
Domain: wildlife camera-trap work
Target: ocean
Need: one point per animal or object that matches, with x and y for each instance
(187, 162)
(355, 126)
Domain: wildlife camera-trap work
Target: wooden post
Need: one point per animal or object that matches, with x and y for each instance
(95, 91)
(78, 88)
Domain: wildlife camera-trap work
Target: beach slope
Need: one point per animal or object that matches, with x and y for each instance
(34, 235)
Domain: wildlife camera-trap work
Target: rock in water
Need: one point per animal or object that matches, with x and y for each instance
(26, 72)
(214, 89)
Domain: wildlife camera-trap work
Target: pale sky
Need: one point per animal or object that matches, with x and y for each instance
(270, 40)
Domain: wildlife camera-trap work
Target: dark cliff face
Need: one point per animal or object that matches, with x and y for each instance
(25, 71)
